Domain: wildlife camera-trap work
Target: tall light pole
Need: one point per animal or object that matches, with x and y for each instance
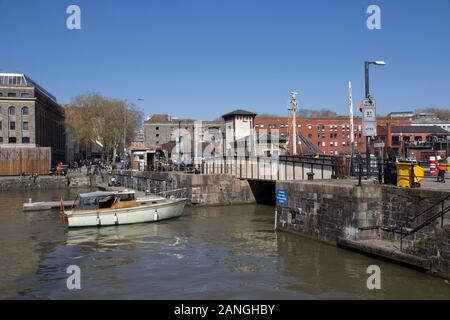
(366, 72)
(293, 108)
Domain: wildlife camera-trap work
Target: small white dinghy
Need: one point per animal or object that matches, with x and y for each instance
(104, 208)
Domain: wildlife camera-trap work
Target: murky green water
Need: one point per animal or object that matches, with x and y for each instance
(209, 253)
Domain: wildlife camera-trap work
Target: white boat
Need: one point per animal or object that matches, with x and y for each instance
(104, 208)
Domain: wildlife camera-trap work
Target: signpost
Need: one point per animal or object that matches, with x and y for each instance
(282, 196)
(369, 121)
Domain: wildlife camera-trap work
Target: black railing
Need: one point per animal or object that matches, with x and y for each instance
(423, 219)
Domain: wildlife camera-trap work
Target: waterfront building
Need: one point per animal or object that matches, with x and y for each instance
(240, 129)
(331, 136)
(30, 117)
(185, 140)
(419, 142)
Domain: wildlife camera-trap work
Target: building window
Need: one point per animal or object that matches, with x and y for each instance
(1, 139)
(25, 94)
(310, 135)
(1, 94)
(25, 139)
(25, 111)
(12, 94)
(157, 135)
(25, 125)
(12, 111)
(12, 140)
(12, 125)
(309, 127)
(157, 128)
(0, 126)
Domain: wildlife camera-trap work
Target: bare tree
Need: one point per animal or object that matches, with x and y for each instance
(92, 118)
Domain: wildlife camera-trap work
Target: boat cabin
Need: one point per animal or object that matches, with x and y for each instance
(105, 200)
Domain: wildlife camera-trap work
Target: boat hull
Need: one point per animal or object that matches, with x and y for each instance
(141, 214)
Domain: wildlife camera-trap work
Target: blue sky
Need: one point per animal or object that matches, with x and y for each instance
(203, 58)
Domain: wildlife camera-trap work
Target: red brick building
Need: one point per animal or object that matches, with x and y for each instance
(330, 135)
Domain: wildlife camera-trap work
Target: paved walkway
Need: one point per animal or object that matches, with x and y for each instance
(431, 183)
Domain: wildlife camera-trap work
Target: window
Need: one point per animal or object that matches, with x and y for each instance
(157, 128)
(25, 125)
(310, 135)
(12, 125)
(12, 140)
(24, 94)
(25, 111)
(1, 94)
(25, 139)
(12, 94)
(1, 139)
(309, 127)
(0, 126)
(12, 111)
(157, 135)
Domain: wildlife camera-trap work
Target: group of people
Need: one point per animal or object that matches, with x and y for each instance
(91, 167)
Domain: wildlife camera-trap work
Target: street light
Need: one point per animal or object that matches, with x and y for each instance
(366, 71)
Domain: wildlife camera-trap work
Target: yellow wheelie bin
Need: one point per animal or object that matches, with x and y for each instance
(404, 175)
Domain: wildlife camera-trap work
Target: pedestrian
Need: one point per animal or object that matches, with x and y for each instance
(442, 167)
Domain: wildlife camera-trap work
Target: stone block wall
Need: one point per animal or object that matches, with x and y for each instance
(211, 189)
(49, 182)
(328, 211)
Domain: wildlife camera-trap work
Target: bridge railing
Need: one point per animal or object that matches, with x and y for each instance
(266, 168)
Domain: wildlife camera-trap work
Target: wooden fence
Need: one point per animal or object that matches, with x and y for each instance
(15, 161)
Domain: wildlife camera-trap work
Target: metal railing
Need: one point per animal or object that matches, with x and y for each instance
(423, 219)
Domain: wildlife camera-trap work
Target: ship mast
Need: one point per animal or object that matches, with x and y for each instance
(293, 108)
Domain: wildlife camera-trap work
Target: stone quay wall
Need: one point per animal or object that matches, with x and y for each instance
(201, 189)
(72, 180)
(332, 210)
(328, 211)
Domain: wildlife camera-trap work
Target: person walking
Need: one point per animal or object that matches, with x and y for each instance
(442, 167)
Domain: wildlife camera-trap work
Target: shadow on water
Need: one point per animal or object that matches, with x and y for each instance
(209, 253)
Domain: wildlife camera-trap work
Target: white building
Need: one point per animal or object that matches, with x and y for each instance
(240, 133)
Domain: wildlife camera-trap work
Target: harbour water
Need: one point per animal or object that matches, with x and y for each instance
(227, 252)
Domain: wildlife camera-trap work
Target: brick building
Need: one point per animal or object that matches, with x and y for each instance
(330, 135)
(30, 116)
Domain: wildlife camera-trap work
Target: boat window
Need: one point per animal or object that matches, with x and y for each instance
(126, 197)
(106, 203)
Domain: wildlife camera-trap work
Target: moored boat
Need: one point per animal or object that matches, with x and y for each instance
(105, 208)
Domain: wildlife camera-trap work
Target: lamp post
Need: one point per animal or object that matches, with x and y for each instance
(367, 95)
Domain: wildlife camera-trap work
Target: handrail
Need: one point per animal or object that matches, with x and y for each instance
(425, 223)
(426, 210)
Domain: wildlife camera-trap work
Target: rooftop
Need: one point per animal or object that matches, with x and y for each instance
(9, 79)
(239, 112)
(419, 129)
